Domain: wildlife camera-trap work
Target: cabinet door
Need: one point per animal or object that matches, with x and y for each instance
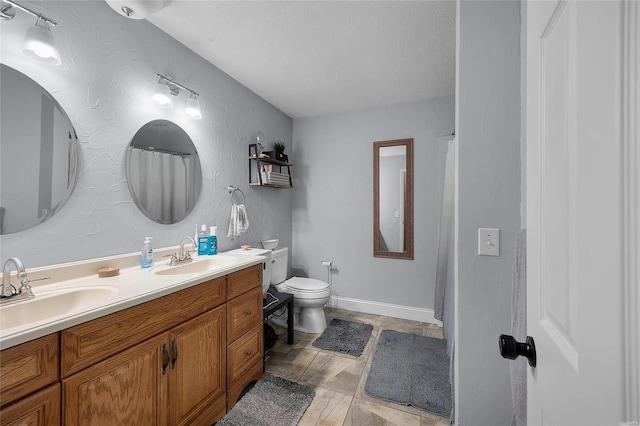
(197, 382)
(40, 409)
(28, 367)
(128, 388)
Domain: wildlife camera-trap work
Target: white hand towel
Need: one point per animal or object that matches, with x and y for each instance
(238, 222)
(243, 220)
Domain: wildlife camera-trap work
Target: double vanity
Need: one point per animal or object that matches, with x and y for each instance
(164, 345)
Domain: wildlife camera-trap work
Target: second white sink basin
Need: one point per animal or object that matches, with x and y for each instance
(49, 304)
(198, 266)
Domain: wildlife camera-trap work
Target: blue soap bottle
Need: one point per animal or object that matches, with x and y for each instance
(213, 240)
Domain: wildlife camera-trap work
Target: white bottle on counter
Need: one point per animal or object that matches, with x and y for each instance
(203, 241)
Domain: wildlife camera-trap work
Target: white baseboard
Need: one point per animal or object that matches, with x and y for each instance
(386, 309)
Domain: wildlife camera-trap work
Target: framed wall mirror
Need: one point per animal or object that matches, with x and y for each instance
(393, 199)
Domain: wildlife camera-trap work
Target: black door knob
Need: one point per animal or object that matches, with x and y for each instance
(511, 349)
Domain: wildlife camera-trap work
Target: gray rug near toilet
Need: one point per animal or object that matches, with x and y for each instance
(411, 370)
(272, 401)
(346, 337)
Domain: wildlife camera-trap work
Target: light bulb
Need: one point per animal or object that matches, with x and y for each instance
(193, 108)
(163, 96)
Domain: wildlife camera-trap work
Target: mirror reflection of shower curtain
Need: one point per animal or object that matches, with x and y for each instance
(164, 182)
(444, 290)
(444, 268)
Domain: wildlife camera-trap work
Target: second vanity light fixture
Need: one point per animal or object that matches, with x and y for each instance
(39, 42)
(167, 88)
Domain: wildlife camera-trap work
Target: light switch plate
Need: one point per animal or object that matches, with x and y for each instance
(488, 242)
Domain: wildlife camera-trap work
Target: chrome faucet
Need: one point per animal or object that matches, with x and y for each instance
(186, 257)
(24, 292)
(7, 288)
(182, 256)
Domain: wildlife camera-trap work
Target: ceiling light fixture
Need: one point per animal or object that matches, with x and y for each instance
(39, 42)
(167, 88)
(137, 9)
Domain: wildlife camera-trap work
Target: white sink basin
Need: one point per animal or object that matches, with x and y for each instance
(49, 304)
(198, 266)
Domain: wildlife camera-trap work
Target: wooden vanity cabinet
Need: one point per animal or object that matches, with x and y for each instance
(93, 341)
(174, 378)
(244, 331)
(180, 359)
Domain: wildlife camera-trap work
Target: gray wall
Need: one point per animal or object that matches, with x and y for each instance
(488, 129)
(105, 84)
(333, 200)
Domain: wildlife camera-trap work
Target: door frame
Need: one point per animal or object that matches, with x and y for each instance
(631, 205)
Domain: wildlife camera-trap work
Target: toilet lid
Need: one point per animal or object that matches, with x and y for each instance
(306, 284)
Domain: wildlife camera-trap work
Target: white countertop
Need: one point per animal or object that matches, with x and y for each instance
(131, 287)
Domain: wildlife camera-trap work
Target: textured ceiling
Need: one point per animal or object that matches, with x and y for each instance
(311, 58)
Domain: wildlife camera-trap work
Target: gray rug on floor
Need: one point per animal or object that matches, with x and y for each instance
(411, 370)
(346, 337)
(272, 401)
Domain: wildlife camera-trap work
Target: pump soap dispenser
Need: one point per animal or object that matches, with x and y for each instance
(146, 254)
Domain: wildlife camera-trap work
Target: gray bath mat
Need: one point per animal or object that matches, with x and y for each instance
(411, 370)
(346, 337)
(272, 401)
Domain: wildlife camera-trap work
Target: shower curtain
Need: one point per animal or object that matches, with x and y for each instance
(162, 182)
(444, 288)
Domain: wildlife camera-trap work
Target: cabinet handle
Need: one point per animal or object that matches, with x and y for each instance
(249, 312)
(174, 350)
(248, 353)
(165, 358)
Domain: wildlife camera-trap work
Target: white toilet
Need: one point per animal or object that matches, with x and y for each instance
(309, 295)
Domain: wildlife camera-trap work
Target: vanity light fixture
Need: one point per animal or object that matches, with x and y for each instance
(39, 42)
(167, 88)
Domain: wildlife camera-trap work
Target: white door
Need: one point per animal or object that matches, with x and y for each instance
(577, 212)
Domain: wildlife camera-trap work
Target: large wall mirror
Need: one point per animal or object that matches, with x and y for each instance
(163, 171)
(393, 199)
(39, 153)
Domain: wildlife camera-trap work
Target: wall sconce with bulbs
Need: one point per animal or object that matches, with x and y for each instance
(167, 88)
(39, 42)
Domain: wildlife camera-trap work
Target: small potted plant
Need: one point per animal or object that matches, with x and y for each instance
(279, 147)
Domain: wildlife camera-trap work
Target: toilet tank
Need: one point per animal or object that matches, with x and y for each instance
(279, 259)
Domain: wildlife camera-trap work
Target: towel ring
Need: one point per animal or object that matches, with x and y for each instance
(232, 190)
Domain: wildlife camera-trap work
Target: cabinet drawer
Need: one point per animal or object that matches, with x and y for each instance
(243, 313)
(243, 354)
(28, 367)
(93, 341)
(244, 280)
(40, 409)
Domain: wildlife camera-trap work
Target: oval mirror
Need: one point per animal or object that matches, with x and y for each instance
(39, 153)
(163, 171)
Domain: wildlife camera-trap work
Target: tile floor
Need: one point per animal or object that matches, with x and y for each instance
(338, 379)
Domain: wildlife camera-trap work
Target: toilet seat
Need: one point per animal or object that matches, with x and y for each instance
(305, 288)
(306, 284)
